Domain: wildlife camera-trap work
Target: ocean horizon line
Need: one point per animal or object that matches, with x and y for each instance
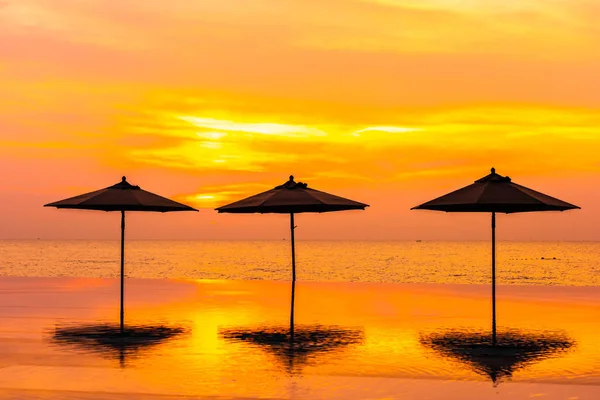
(303, 240)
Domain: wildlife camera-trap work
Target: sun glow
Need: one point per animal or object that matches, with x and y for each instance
(211, 135)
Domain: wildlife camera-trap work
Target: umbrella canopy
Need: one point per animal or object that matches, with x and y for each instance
(495, 193)
(292, 198)
(122, 197)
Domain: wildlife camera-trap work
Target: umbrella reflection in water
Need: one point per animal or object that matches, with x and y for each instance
(112, 341)
(306, 343)
(513, 350)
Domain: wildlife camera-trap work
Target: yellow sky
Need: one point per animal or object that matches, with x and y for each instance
(389, 102)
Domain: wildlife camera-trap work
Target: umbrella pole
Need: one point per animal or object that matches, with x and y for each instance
(122, 266)
(292, 227)
(493, 278)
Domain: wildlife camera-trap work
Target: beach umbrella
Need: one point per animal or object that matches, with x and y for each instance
(122, 197)
(291, 198)
(495, 194)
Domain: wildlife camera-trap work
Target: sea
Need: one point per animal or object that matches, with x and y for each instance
(366, 320)
(518, 263)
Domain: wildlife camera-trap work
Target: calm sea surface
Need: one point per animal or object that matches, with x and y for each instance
(520, 263)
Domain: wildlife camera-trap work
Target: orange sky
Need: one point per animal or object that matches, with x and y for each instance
(389, 102)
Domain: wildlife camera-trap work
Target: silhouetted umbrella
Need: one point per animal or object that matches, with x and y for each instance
(308, 341)
(292, 198)
(113, 341)
(495, 194)
(514, 349)
(121, 197)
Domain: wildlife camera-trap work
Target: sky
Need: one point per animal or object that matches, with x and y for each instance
(387, 102)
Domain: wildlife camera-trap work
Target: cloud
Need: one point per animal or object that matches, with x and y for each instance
(263, 128)
(460, 142)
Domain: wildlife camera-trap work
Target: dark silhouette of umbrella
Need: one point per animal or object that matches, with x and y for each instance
(113, 341)
(121, 197)
(495, 194)
(308, 341)
(291, 198)
(514, 349)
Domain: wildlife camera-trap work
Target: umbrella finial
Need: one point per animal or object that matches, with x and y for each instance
(493, 170)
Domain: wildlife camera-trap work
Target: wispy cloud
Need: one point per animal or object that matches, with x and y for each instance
(263, 128)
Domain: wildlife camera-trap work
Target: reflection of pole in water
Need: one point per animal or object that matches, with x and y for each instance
(493, 278)
(292, 315)
(122, 357)
(122, 312)
(292, 228)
